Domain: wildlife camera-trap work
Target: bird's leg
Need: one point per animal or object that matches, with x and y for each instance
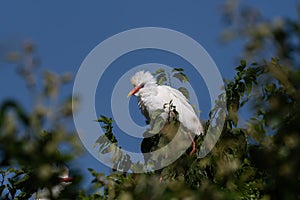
(193, 145)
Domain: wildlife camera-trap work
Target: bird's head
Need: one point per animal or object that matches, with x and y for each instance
(141, 80)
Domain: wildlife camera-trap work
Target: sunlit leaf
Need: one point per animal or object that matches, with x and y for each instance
(185, 92)
(161, 79)
(158, 71)
(181, 76)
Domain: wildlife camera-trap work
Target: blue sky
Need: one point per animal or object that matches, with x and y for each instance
(66, 31)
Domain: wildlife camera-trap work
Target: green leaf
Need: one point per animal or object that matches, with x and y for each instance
(22, 180)
(156, 113)
(243, 63)
(161, 79)
(177, 70)
(2, 187)
(106, 150)
(159, 71)
(181, 77)
(242, 66)
(241, 88)
(104, 119)
(249, 88)
(185, 92)
(158, 124)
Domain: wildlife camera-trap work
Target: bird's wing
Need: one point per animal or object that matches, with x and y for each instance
(187, 114)
(178, 99)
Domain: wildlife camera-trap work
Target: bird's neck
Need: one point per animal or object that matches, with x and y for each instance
(149, 90)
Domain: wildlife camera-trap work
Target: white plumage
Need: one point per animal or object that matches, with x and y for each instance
(153, 97)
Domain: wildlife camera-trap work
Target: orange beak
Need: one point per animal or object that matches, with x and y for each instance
(67, 179)
(134, 90)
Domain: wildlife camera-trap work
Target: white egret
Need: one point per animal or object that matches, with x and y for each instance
(153, 97)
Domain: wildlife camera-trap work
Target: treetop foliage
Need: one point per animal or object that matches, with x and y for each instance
(257, 159)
